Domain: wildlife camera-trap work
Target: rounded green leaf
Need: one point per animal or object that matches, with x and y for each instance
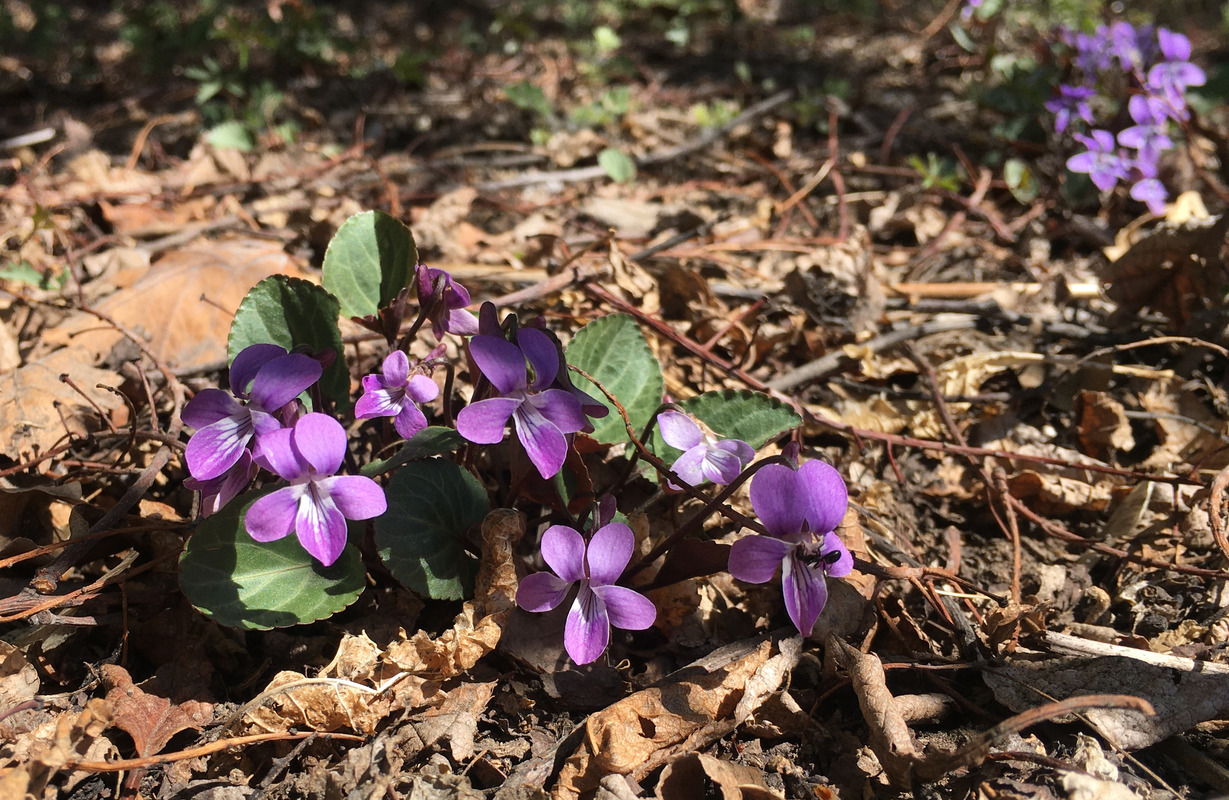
(292, 312)
(617, 164)
(753, 417)
(613, 350)
(243, 583)
(431, 504)
(369, 260)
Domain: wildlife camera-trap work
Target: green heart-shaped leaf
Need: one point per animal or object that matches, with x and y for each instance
(369, 260)
(293, 312)
(613, 350)
(243, 583)
(431, 504)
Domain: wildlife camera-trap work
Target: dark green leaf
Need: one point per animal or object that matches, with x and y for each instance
(242, 583)
(614, 352)
(293, 312)
(431, 504)
(432, 441)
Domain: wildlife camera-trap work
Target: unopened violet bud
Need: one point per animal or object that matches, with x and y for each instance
(444, 302)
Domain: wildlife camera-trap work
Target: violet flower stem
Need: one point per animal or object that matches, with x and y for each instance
(716, 504)
(446, 408)
(661, 467)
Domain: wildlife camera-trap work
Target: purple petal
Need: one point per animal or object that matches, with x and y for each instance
(216, 448)
(483, 422)
(321, 529)
(249, 361)
(283, 379)
(609, 551)
(721, 466)
(843, 565)
(422, 389)
(679, 430)
(272, 516)
(321, 442)
(824, 496)
(275, 452)
(560, 407)
(501, 362)
(210, 406)
(626, 608)
(1152, 192)
(1174, 46)
(741, 450)
(219, 491)
(544, 443)
(563, 549)
(410, 421)
(755, 559)
(379, 402)
(774, 497)
(356, 496)
(541, 354)
(462, 322)
(396, 368)
(587, 631)
(690, 467)
(541, 591)
(805, 593)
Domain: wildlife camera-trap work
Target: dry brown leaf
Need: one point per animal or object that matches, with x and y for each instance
(1188, 432)
(686, 777)
(29, 419)
(477, 628)
(184, 304)
(150, 720)
(691, 708)
(1103, 425)
(18, 677)
(1176, 269)
(38, 756)
(1055, 490)
(436, 227)
(363, 684)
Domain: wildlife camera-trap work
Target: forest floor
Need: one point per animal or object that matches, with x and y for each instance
(1023, 389)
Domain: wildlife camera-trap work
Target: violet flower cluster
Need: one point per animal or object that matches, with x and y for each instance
(264, 425)
(1157, 64)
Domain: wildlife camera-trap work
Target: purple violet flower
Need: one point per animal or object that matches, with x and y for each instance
(446, 310)
(1152, 192)
(599, 603)
(317, 503)
(1072, 101)
(1170, 78)
(1100, 161)
(395, 393)
(800, 509)
(542, 415)
(224, 425)
(217, 492)
(704, 458)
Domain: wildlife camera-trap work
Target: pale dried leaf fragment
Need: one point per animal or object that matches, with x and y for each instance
(693, 707)
(18, 677)
(685, 778)
(1183, 691)
(1103, 425)
(183, 305)
(29, 396)
(71, 738)
(363, 683)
